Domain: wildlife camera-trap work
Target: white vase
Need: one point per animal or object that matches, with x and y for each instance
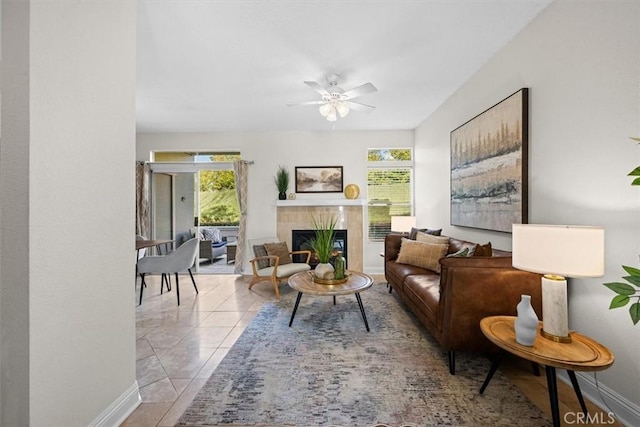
(324, 271)
(526, 323)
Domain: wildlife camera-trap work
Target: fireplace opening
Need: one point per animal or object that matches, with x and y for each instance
(300, 242)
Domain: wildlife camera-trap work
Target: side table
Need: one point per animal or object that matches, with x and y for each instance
(231, 251)
(581, 354)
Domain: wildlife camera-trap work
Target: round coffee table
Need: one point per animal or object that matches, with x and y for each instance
(356, 283)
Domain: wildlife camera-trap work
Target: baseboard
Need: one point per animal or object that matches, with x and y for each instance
(374, 270)
(120, 409)
(627, 413)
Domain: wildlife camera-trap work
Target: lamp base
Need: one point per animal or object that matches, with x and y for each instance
(555, 338)
(555, 322)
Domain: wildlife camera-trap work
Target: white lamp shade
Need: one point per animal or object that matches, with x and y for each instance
(563, 250)
(402, 224)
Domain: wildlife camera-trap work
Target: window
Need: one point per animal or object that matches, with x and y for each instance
(389, 188)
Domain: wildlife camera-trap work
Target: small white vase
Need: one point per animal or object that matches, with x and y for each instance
(526, 323)
(324, 271)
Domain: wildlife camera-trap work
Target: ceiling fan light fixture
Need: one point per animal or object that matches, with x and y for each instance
(332, 116)
(325, 109)
(343, 110)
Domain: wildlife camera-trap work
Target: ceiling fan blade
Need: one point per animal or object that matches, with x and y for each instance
(358, 106)
(306, 103)
(315, 86)
(360, 90)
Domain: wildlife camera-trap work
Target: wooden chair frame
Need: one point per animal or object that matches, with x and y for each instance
(273, 278)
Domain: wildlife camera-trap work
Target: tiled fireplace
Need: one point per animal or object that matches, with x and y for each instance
(299, 214)
(300, 241)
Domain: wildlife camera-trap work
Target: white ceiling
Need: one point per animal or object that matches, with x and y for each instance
(226, 66)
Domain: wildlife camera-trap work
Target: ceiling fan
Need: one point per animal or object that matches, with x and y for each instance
(337, 102)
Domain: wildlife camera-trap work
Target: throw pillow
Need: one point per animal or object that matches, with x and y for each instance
(421, 254)
(483, 250)
(258, 251)
(212, 234)
(280, 250)
(461, 253)
(414, 231)
(421, 236)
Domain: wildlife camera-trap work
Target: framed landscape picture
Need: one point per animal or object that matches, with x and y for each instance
(489, 167)
(318, 179)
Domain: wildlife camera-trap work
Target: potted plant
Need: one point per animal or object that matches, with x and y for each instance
(628, 292)
(282, 182)
(323, 245)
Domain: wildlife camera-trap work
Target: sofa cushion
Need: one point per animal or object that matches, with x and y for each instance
(430, 238)
(483, 250)
(464, 252)
(414, 231)
(420, 254)
(258, 251)
(281, 250)
(212, 234)
(456, 245)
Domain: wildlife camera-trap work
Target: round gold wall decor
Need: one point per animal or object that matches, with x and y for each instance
(351, 191)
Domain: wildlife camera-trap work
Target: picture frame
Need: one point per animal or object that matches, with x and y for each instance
(489, 166)
(319, 179)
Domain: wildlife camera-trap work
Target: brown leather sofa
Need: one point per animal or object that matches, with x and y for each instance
(451, 304)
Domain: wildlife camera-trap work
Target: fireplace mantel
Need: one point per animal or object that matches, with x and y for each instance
(321, 202)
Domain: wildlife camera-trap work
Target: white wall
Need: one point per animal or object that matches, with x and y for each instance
(290, 149)
(67, 193)
(581, 61)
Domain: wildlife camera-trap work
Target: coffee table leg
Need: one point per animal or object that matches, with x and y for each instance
(364, 316)
(553, 395)
(295, 308)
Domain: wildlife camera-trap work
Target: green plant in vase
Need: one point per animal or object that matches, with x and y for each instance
(628, 292)
(323, 245)
(282, 182)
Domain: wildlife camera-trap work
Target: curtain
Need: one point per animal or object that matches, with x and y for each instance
(240, 169)
(142, 199)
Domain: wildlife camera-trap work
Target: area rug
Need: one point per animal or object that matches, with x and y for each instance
(327, 370)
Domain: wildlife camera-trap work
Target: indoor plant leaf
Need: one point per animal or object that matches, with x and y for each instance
(634, 280)
(324, 239)
(619, 301)
(632, 270)
(621, 288)
(634, 310)
(635, 181)
(635, 172)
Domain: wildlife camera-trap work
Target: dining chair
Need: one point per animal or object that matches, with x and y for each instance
(179, 260)
(140, 253)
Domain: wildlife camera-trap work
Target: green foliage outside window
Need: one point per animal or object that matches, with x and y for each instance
(388, 188)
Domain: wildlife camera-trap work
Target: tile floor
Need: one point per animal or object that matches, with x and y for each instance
(179, 347)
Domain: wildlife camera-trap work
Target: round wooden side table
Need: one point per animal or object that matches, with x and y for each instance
(581, 354)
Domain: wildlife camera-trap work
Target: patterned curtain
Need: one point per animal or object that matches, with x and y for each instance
(142, 199)
(240, 170)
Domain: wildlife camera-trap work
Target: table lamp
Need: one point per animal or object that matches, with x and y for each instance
(558, 251)
(402, 224)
